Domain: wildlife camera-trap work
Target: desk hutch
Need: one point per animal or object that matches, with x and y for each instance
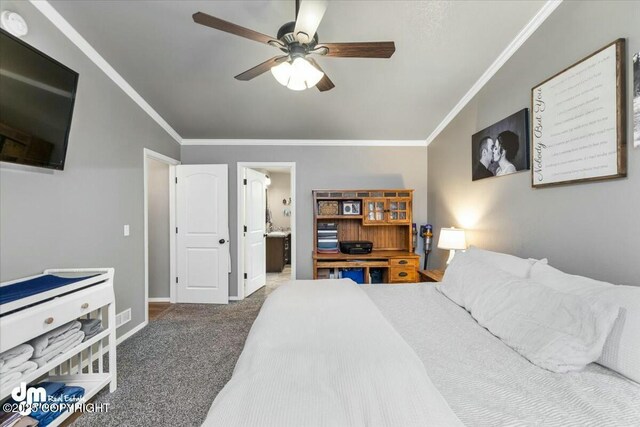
(385, 218)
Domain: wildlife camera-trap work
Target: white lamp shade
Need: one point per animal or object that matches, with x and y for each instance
(296, 82)
(310, 74)
(452, 238)
(282, 73)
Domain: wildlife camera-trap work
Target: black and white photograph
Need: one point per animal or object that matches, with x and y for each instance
(351, 207)
(502, 148)
(636, 100)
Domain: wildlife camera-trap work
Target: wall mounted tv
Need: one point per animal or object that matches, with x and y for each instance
(36, 105)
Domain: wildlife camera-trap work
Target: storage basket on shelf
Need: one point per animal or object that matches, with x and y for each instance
(328, 207)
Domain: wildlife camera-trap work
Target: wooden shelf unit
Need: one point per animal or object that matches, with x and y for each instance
(386, 221)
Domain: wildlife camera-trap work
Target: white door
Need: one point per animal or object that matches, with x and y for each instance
(202, 219)
(255, 251)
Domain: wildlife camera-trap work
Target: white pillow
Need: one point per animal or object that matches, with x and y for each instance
(556, 331)
(519, 267)
(621, 351)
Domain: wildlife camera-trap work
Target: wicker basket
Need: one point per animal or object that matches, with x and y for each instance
(328, 207)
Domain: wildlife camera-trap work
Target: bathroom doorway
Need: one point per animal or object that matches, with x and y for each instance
(275, 215)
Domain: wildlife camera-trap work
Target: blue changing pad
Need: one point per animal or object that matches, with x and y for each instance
(36, 286)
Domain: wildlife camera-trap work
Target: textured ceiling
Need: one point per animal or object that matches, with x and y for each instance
(185, 71)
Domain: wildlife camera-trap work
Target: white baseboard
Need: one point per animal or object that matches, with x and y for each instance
(129, 334)
(163, 299)
(235, 299)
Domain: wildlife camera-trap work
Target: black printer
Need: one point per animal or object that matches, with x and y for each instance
(356, 247)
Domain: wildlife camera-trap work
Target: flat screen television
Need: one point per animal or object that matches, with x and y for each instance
(37, 94)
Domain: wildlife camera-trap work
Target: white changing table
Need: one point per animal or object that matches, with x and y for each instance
(27, 318)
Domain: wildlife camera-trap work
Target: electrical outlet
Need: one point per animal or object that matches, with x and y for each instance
(126, 230)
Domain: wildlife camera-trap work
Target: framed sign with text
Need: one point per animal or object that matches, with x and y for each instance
(578, 130)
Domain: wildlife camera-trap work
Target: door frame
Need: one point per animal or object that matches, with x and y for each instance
(147, 155)
(241, 166)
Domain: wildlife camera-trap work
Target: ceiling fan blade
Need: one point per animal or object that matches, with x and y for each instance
(308, 18)
(228, 27)
(262, 68)
(325, 83)
(358, 49)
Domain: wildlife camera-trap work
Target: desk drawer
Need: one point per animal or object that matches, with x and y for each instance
(404, 262)
(403, 275)
(34, 321)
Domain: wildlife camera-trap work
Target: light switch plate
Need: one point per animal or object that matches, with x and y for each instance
(126, 229)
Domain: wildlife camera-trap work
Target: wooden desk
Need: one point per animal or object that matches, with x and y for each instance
(397, 266)
(381, 216)
(431, 275)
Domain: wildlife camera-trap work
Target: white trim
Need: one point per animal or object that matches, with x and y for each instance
(313, 142)
(159, 299)
(241, 166)
(515, 44)
(129, 334)
(58, 20)
(146, 155)
(173, 271)
(240, 231)
(235, 298)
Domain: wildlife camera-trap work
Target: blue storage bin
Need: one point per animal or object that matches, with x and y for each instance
(355, 274)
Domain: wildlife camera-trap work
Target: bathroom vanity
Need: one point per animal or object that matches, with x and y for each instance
(278, 250)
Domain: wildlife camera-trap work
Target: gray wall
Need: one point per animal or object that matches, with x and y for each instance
(158, 193)
(75, 218)
(588, 229)
(279, 189)
(320, 168)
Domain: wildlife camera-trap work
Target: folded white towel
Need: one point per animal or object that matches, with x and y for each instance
(55, 346)
(46, 343)
(68, 344)
(18, 372)
(9, 378)
(15, 357)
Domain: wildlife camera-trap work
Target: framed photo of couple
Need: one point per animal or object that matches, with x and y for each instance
(502, 148)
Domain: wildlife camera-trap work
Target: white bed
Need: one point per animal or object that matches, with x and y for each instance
(486, 383)
(320, 353)
(332, 353)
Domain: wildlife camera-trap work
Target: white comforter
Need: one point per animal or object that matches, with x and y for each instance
(320, 353)
(486, 383)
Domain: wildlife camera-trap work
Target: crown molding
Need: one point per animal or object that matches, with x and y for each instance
(310, 142)
(545, 11)
(58, 20)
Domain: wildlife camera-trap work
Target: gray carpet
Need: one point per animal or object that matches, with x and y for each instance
(170, 372)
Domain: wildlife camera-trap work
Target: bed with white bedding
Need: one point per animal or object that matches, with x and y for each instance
(486, 383)
(332, 353)
(320, 353)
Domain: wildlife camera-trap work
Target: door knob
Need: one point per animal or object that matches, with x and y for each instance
(222, 241)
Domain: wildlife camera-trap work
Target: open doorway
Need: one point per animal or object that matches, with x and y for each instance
(159, 241)
(266, 226)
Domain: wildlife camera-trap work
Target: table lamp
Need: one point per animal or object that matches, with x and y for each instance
(452, 239)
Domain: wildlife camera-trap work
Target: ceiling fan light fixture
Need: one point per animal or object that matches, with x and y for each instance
(297, 75)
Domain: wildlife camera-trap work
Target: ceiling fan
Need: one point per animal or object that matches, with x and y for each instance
(297, 40)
